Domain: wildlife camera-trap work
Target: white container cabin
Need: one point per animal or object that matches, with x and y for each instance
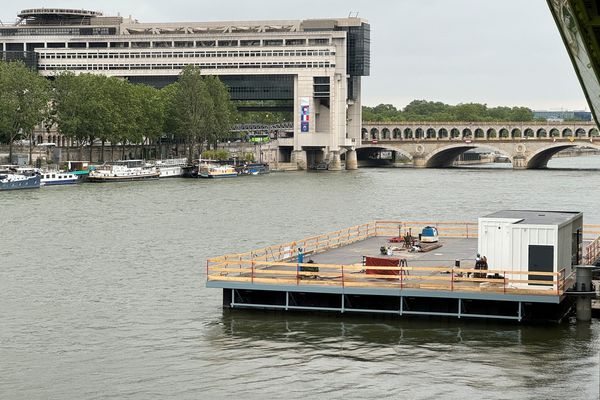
(532, 241)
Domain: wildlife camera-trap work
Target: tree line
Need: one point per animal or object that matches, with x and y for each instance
(87, 108)
(423, 110)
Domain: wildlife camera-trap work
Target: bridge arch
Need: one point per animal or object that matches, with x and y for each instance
(445, 156)
(503, 133)
(580, 132)
(365, 134)
(593, 132)
(554, 132)
(408, 133)
(442, 133)
(491, 133)
(479, 134)
(567, 132)
(396, 133)
(454, 133)
(419, 133)
(540, 158)
(467, 133)
(541, 133)
(374, 133)
(528, 133)
(362, 151)
(430, 133)
(516, 132)
(385, 133)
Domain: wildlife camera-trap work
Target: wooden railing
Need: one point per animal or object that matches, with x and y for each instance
(430, 278)
(276, 265)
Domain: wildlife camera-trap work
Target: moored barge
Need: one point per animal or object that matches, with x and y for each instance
(530, 259)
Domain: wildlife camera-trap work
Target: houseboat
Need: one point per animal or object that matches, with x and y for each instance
(10, 179)
(217, 171)
(171, 167)
(123, 171)
(49, 178)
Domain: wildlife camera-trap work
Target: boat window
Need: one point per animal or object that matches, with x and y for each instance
(53, 176)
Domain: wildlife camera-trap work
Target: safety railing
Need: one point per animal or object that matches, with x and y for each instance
(386, 277)
(278, 264)
(592, 252)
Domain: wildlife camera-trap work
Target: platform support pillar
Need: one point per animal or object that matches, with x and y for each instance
(584, 286)
(287, 300)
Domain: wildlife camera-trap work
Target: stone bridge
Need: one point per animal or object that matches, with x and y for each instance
(438, 145)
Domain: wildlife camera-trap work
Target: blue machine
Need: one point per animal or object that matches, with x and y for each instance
(429, 235)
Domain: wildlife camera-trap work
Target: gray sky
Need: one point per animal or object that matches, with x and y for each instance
(496, 52)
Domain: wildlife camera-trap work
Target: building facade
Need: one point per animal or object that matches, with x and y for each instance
(315, 66)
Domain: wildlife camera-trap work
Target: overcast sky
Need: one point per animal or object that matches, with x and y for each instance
(496, 52)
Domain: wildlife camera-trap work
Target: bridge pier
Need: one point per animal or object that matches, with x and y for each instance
(299, 158)
(351, 160)
(419, 161)
(519, 162)
(335, 162)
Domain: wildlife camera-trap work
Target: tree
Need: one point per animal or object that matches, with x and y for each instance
(24, 95)
(220, 123)
(192, 108)
(84, 108)
(149, 114)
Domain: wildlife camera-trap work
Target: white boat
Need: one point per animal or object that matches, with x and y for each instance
(11, 180)
(50, 178)
(124, 170)
(171, 167)
(217, 171)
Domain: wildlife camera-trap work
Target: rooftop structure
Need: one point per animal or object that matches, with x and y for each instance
(315, 64)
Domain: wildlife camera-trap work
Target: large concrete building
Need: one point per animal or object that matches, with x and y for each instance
(313, 66)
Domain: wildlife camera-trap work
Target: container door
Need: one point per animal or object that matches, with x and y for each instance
(541, 259)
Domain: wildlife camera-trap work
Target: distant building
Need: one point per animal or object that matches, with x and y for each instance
(315, 65)
(562, 115)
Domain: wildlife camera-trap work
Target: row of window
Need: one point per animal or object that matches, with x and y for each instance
(101, 67)
(188, 54)
(66, 31)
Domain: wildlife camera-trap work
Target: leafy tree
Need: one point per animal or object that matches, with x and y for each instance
(192, 108)
(221, 109)
(24, 95)
(423, 110)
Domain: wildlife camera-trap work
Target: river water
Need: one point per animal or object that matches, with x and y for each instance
(102, 292)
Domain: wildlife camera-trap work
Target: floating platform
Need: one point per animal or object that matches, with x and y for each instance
(332, 276)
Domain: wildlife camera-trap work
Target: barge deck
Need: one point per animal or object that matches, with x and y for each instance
(331, 275)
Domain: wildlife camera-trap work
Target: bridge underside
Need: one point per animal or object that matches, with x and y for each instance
(579, 24)
(446, 158)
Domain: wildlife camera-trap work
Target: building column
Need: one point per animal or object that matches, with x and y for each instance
(299, 158)
(351, 160)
